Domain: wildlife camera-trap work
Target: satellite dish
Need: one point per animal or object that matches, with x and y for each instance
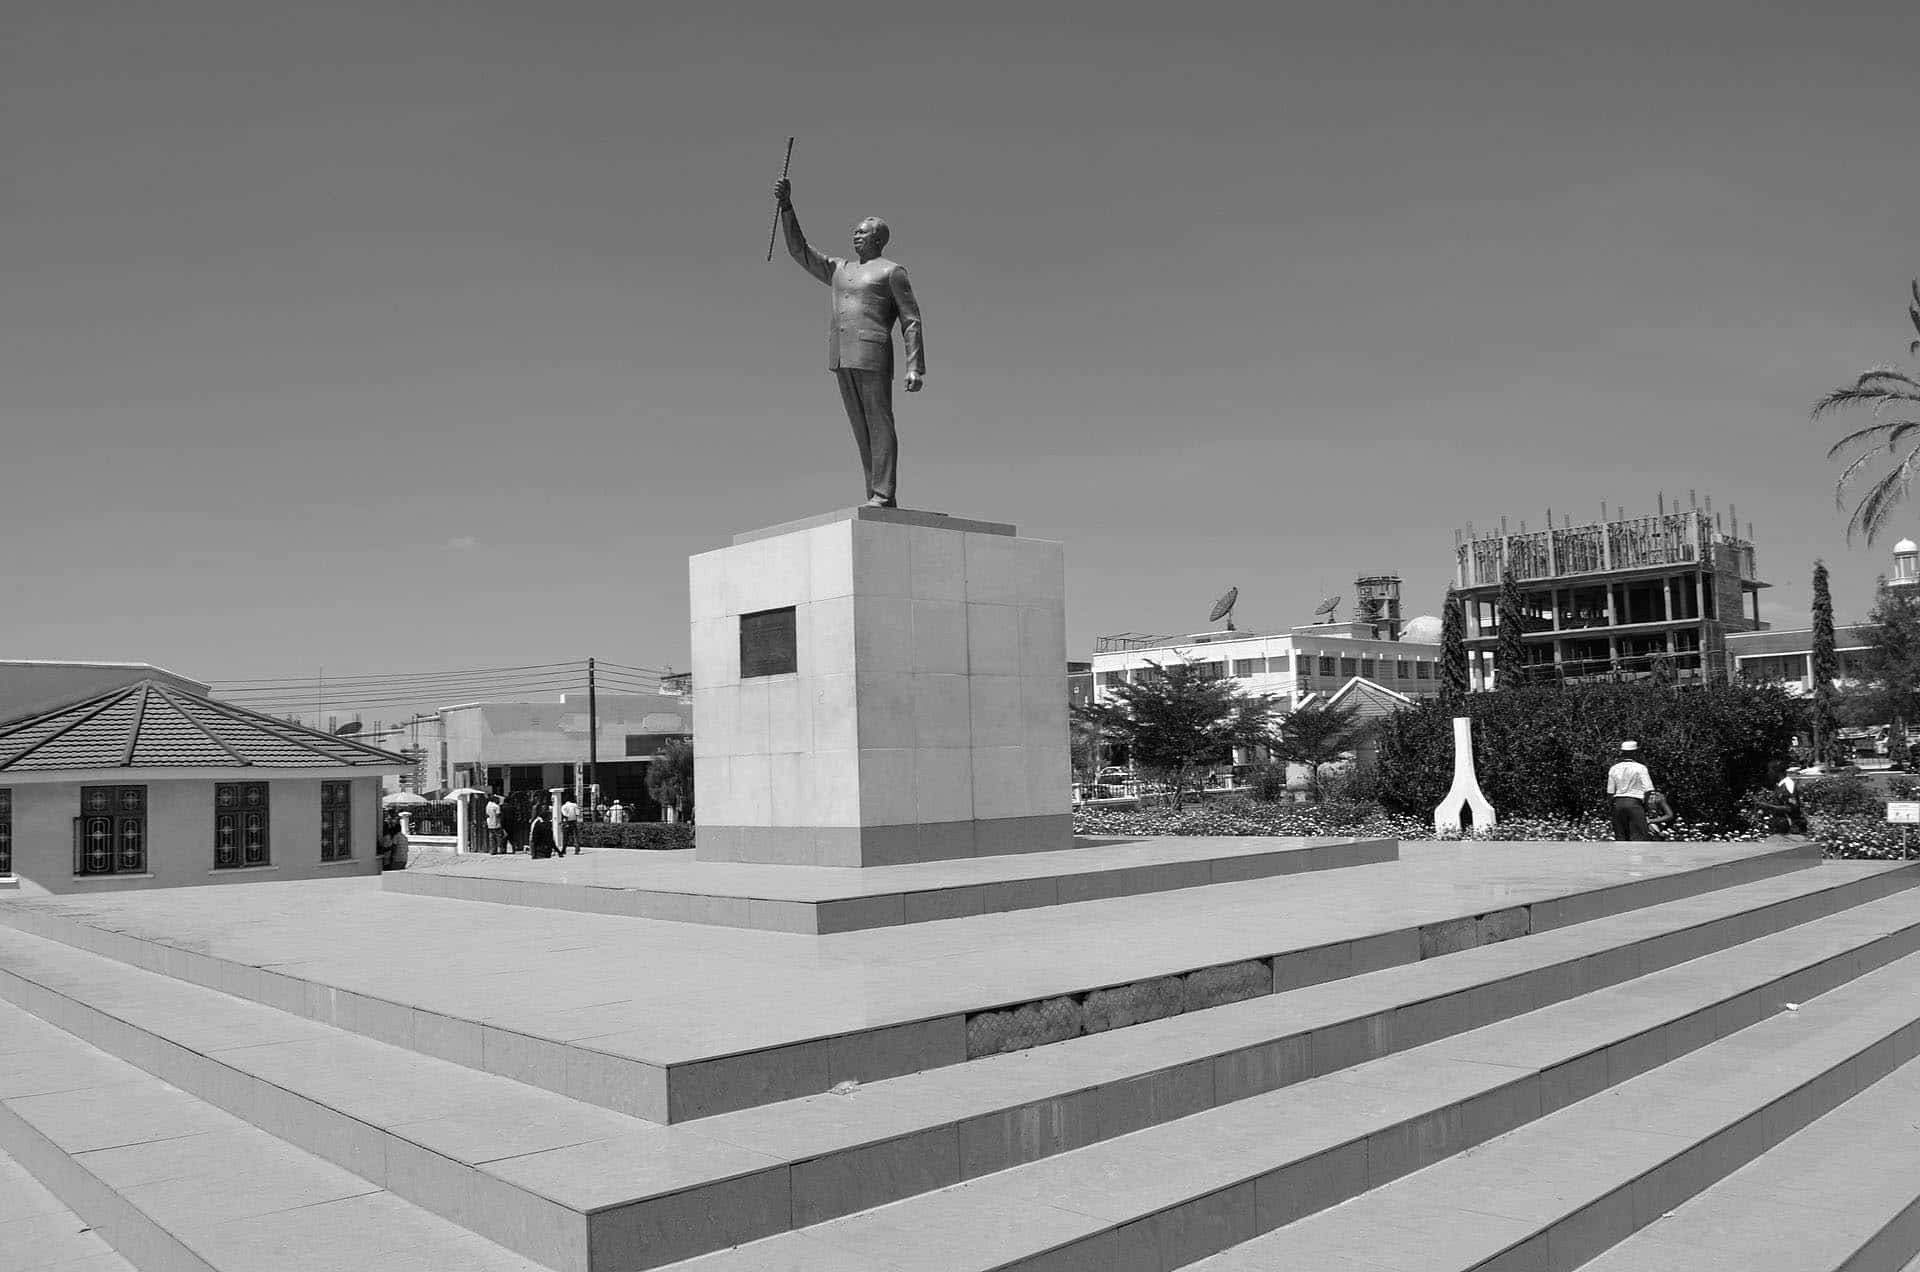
(1223, 608)
(350, 727)
(1326, 607)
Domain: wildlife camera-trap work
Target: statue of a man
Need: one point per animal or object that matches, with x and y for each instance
(870, 294)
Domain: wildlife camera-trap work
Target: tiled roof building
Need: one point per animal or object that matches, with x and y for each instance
(152, 724)
(149, 784)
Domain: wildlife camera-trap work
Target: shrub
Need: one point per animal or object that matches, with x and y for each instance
(1841, 794)
(651, 836)
(1544, 751)
(1269, 782)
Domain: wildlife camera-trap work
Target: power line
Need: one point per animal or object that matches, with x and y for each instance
(648, 671)
(385, 676)
(303, 705)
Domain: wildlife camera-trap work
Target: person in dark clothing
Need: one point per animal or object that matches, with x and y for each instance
(539, 838)
(1780, 802)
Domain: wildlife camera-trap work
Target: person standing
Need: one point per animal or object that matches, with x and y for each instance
(1627, 785)
(617, 813)
(496, 829)
(570, 827)
(539, 836)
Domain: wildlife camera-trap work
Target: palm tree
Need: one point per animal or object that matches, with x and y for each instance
(1888, 392)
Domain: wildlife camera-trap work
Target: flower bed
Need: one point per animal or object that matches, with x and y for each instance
(1363, 821)
(643, 836)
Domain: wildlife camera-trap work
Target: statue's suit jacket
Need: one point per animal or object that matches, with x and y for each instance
(868, 298)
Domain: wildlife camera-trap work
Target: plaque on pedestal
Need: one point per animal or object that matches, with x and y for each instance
(878, 686)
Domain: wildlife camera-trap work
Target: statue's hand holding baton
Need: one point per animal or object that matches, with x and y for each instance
(781, 192)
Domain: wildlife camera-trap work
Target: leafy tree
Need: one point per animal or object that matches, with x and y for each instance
(1083, 744)
(1826, 669)
(1510, 655)
(1894, 398)
(1453, 652)
(1176, 720)
(1315, 735)
(670, 777)
(1893, 655)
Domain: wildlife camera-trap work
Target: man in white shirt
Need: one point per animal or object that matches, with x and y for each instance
(618, 813)
(496, 830)
(569, 828)
(1627, 785)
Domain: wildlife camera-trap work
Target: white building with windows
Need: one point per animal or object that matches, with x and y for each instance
(1286, 666)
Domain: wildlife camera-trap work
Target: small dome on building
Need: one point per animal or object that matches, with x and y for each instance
(1424, 630)
(1906, 545)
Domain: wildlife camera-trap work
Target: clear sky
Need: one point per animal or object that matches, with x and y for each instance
(393, 336)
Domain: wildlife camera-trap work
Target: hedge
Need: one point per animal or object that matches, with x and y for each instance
(1544, 751)
(649, 836)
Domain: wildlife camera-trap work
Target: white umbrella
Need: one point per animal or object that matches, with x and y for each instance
(405, 798)
(465, 790)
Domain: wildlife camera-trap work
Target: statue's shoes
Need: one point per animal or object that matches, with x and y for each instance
(878, 502)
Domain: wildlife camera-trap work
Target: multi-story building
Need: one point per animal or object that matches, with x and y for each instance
(1619, 597)
(1288, 666)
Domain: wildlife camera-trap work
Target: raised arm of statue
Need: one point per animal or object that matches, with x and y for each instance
(909, 306)
(797, 246)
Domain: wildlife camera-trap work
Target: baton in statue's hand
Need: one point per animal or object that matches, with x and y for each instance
(775, 230)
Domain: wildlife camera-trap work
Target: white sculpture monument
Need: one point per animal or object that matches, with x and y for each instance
(1466, 787)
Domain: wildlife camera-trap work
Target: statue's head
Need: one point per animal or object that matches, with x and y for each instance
(870, 238)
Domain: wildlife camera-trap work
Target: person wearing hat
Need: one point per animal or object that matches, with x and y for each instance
(1627, 785)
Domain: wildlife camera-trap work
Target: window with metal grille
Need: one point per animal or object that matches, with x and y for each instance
(110, 834)
(1349, 666)
(6, 832)
(1423, 671)
(1326, 666)
(1366, 668)
(240, 825)
(1243, 667)
(336, 821)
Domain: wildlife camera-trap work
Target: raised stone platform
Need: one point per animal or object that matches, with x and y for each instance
(819, 900)
(1275, 1072)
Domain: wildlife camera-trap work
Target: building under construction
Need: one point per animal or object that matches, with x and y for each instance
(1619, 598)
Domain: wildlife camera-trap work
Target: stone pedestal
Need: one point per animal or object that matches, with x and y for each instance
(878, 686)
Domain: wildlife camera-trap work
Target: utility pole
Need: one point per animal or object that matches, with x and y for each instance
(593, 731)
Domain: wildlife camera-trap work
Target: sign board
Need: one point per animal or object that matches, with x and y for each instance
(1904, 812)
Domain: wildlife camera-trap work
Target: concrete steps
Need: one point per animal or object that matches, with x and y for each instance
(573, 1184)
(1560, 1191)
(40, 1234)
(1842, 1195)
(278, 1092)
(867, 1014)
(176, 1185)
(1171, 1194)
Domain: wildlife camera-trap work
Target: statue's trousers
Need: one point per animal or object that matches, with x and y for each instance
(868, 396)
